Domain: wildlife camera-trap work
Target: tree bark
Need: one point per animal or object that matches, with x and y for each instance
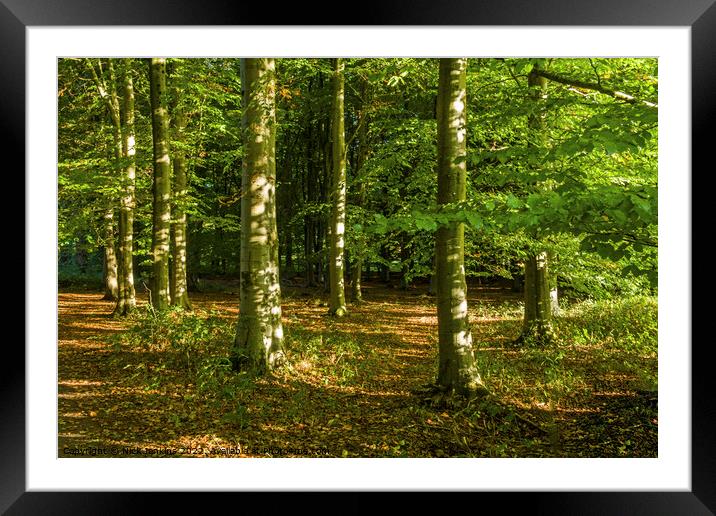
(537, 323)
(180, 296)
(258, 346)
(108, 93)
(457, 370)
(162, 184)
(109, 267)
(126, 301)
(337, 304)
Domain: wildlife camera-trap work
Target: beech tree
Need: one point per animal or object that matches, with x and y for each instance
(537, 322)
(179, 294)
(161, 185)
(107, 90)
(126, 299)
(457, 370)
(582, 189)
(338, 205)
(258, 346)
(361, 156)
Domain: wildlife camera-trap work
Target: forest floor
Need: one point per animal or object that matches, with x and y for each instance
(351, 389)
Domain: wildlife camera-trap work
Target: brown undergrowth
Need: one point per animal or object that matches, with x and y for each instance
(349, 388)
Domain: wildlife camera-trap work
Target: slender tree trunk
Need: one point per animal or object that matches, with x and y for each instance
(356, 274)
(553, 291)
(537, 324)
(259, 338)
(162, 184)
(180, 296)
(362, 156)
(108, 92)
(404, 265)
(384, 268)
(290, 273)
(457, 370)
(126, 302)
(109, 268)
(308, 252)
(337, 305)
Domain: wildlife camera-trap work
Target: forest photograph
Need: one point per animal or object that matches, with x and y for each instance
(357, 257)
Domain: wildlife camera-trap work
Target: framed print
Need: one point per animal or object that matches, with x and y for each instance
(35, 35)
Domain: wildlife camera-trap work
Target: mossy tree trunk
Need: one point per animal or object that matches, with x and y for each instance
(258, 346)
(126, 301)
(537, 323)
(337, 304)
(457, 370)
(180, 295)
(162, 184)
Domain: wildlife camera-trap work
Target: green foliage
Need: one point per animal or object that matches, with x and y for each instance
(574, 166)
(182, 336)
(628, 323)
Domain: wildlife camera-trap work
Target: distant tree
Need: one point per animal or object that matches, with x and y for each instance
(108, 92)
(362, 152)
(259, 338)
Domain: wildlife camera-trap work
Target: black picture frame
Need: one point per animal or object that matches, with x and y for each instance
(699, 15)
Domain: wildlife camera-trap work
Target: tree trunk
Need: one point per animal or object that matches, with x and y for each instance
(457, 370)
(180, 296)
(384, 268)
(361, 158)
(290, 273)
(162, 184)
(109, 264)
(554, 300)
(553, 291)
(126, 302)
(537, 324)
(258, 346)
(356, 275)
(308, 252)
(337, 304)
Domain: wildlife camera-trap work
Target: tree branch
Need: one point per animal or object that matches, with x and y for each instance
(109, 97)
(592, 86)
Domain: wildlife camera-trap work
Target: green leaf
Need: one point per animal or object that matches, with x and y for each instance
(473, 219)
(513, 202)
(426, 223)
(611, 147)
(642, 204)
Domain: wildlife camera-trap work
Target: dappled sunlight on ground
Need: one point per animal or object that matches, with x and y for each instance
(354, 397)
